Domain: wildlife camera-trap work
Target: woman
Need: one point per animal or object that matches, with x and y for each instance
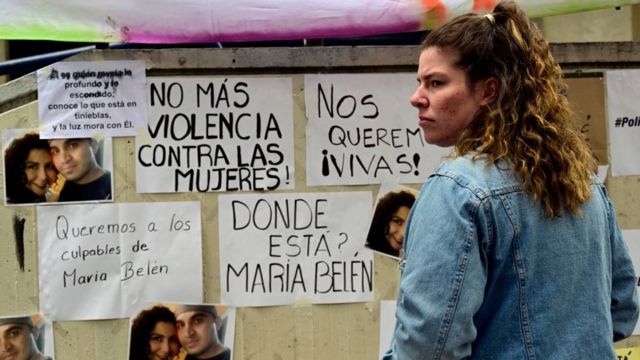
(512, 248)
(153, 335)
(386, 233)
(29, 170)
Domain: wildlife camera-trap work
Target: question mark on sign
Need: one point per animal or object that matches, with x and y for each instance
(346, 237)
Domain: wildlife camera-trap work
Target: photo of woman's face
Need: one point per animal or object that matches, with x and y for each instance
(39, 171)
(395, 235)
(163, 342)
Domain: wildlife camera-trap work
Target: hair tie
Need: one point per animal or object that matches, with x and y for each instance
(492, 20)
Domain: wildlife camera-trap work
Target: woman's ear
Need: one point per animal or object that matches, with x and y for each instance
(489, 88)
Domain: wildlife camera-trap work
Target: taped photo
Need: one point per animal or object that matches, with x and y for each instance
(39, 171)
(182, 332)
(26, 337)
(387, 230)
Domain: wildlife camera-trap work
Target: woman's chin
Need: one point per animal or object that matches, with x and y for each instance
(395, 245)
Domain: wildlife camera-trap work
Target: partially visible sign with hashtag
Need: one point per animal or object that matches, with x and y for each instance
(623, 112)
(632, 239)
(628, 353)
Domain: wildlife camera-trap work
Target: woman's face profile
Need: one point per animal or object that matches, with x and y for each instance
(395, 235)
(445, 101)
(39, 171)
(163, 341)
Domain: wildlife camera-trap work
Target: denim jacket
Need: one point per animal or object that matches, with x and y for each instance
(486, 275)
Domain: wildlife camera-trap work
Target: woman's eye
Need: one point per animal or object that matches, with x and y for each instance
(435, 83)
(32, 167)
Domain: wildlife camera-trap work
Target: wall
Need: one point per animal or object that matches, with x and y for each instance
(299, 331)
(593, 26)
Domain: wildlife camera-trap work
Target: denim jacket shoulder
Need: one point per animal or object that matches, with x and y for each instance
(486, 275)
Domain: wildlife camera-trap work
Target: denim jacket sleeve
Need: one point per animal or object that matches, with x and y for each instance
(624, 297)
(444, 277)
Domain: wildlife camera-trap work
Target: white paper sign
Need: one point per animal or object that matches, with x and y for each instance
(217, 134)
(362, 130)
(632, 238)
(101, 261)
(387, 324)
(84, 98)
(602, 172)
(276, 249)
(623, 112)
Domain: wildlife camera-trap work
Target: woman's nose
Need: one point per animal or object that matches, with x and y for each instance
(418, 99)
(401, 232)
(42, 173)
(165, 347)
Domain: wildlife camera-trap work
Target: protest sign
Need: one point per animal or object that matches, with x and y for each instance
(632, 239)
(83, 98)
(387, 324)
(623, 112)
(631, 353)
(100, 261)
(362, 130)
(277, 249)
(217, 134)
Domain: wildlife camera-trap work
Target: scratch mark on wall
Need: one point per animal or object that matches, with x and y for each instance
(18, 233)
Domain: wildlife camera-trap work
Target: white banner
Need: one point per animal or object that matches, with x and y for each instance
(623, 114)
(362, 130)
(103, 261)
(276, 249)
(387, 324)
(83, 98)
(217, 134)
(632, 238)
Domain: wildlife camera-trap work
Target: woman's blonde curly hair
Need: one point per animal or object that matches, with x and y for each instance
(531, 124)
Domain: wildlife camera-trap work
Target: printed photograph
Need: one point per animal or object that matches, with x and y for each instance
(26, 337)
(386, 233)
(41, 171)
(182, 332)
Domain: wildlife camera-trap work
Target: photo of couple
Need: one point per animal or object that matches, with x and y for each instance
(55, 170)
(182, 332)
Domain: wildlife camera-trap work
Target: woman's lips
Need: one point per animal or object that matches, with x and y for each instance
(423, 120)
